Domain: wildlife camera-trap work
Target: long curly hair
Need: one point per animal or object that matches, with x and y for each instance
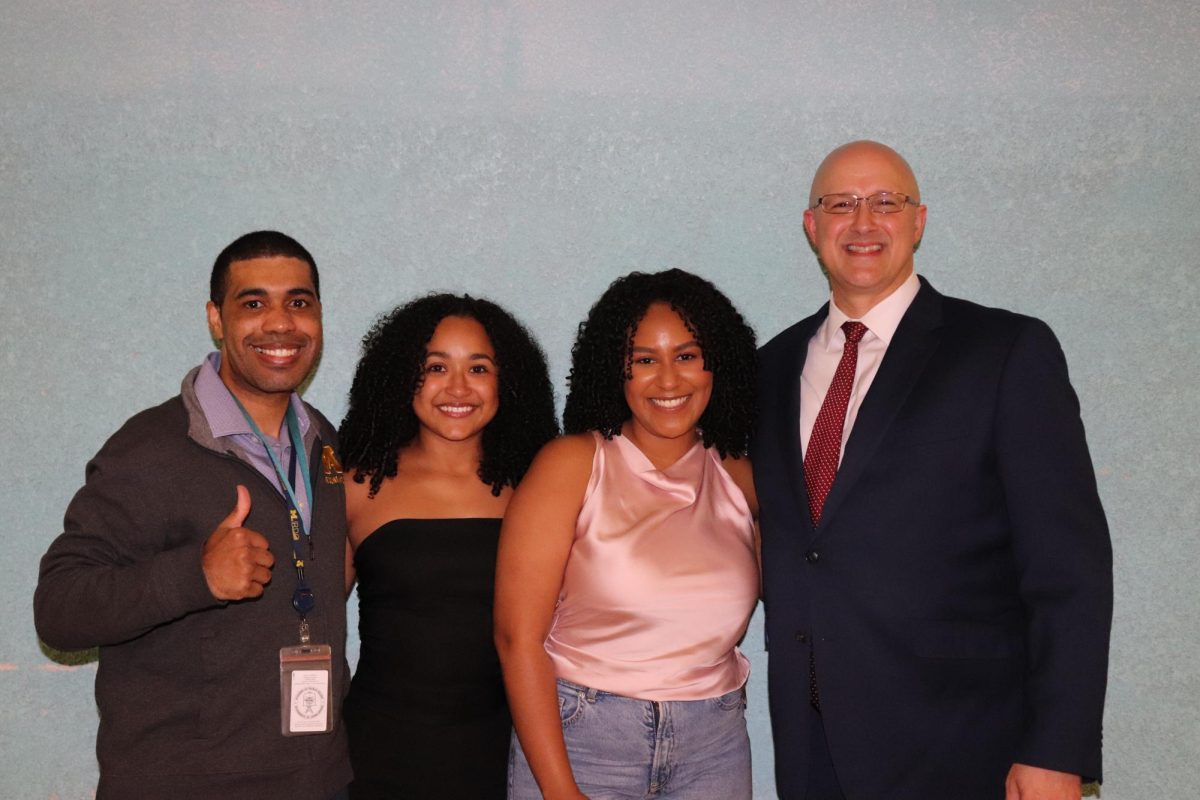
(601, 359)
(381, 421)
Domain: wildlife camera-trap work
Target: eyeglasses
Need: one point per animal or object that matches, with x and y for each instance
(880, 202)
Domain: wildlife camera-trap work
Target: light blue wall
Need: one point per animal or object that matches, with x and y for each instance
(534, 151)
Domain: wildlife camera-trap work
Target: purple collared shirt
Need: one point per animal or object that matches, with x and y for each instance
(227, 424)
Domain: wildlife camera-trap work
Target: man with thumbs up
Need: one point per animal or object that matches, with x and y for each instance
(204, 556)
(237, 560)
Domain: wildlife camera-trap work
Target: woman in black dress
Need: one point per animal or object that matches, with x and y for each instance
(450, 402)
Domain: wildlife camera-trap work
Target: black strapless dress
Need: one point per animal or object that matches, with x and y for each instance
(426, 711)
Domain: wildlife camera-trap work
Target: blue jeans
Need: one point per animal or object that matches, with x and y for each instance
(621, 748)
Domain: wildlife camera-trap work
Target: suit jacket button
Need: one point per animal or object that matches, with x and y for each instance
(812, 556)
(801, 637)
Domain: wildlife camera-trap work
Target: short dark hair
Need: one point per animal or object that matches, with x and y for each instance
(602, 356)
(380, 420)
(259, 244)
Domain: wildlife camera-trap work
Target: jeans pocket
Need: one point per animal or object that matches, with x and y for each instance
(731, 701)
(571, 704)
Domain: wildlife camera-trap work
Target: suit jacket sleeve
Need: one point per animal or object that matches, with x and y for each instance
(1062, 551)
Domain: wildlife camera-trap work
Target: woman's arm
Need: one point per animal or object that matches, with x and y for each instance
(349, 566)
(535, 541)
(743, 475)
(357, 497)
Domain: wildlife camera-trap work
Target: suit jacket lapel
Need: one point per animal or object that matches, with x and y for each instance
(906, 357)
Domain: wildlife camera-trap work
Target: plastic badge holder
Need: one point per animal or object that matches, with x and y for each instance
(304, 689)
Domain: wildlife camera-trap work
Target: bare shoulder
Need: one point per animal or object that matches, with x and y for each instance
(557, 479)
(357, 493)
(358, 503)
(743, 475)
(572, 446)
(569, 456)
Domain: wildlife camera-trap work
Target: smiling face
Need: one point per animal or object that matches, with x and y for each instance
(668, 388)
(269, 327)
(459, 392)
(866, 255)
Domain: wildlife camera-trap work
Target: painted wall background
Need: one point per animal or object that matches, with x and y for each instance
(532, 152)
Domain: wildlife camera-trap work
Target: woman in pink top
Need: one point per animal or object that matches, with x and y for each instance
(628, 569)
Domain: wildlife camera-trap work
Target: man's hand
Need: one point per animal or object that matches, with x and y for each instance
(1034, 783)
(237, 561)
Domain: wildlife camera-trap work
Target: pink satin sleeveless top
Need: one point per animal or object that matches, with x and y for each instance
(661, 579)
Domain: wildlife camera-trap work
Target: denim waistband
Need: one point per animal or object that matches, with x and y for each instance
(593, 693)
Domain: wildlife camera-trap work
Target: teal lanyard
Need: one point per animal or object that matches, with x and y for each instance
(303, 599)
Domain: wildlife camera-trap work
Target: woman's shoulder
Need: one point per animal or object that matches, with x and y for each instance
(357, 485)
(740, 471)
(563, 463)
(738, 467)
(570, 448)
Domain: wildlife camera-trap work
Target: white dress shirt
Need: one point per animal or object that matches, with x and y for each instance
(825, 351)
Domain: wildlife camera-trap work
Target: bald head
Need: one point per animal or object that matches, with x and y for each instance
(866, 253)
(863, 161)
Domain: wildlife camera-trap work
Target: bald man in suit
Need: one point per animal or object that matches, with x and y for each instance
(936, 562)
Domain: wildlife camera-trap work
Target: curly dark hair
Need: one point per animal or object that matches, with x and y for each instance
(381, 421)
(601, 358)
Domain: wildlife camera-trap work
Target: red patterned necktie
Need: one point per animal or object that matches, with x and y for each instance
(825, 442)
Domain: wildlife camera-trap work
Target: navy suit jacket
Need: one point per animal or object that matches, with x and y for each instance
(957, 592)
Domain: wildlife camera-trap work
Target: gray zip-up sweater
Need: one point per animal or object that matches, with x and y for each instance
(188, 685)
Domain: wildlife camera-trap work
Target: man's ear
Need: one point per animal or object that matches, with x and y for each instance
(214, 321)
(919, 225)
(810, 227)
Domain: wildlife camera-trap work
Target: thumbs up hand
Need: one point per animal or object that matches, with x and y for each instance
(237, 561)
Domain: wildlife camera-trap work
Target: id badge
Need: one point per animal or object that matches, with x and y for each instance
(304, 689)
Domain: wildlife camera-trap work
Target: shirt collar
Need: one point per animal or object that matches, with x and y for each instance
(221, 411)
(881, 321)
